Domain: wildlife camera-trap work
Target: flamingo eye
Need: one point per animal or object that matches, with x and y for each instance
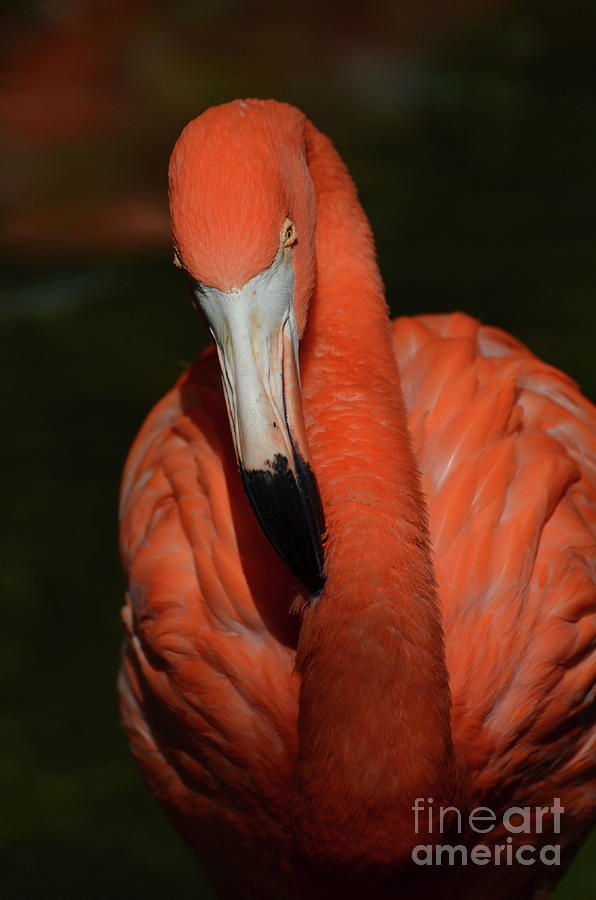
(288, 233)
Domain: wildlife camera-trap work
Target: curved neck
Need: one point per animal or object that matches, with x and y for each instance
(374, 723)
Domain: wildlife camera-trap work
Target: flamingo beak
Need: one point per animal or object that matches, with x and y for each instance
(255, 332)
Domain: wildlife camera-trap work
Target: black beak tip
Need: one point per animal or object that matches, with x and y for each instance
(287, 505)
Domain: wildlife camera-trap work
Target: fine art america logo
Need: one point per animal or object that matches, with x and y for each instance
(526, 820)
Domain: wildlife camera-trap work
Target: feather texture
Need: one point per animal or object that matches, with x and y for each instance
(209, 691)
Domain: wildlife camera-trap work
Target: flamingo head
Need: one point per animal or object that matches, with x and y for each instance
(240, 193)
(243, 216)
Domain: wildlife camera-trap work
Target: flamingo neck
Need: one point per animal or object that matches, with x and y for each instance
(374, 722)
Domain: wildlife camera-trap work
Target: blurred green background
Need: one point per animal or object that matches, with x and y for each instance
(470, 129)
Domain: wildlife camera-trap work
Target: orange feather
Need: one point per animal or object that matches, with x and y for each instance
(452, 653)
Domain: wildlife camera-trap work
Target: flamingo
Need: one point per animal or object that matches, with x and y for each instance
(360, 557)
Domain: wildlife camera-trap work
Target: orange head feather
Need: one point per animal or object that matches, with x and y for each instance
(237, 173)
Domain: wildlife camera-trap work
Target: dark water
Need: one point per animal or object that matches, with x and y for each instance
(482, 193)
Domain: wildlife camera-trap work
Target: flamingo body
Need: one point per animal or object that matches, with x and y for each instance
(220, 679)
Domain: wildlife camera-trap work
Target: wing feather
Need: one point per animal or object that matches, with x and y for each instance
(209, 693)
(507, 450)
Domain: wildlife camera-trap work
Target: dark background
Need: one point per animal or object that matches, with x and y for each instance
(470, 129)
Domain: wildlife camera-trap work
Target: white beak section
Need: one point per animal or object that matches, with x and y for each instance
(255, 332)
(254, 329)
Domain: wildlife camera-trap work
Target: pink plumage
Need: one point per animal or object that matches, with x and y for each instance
(457, 474)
